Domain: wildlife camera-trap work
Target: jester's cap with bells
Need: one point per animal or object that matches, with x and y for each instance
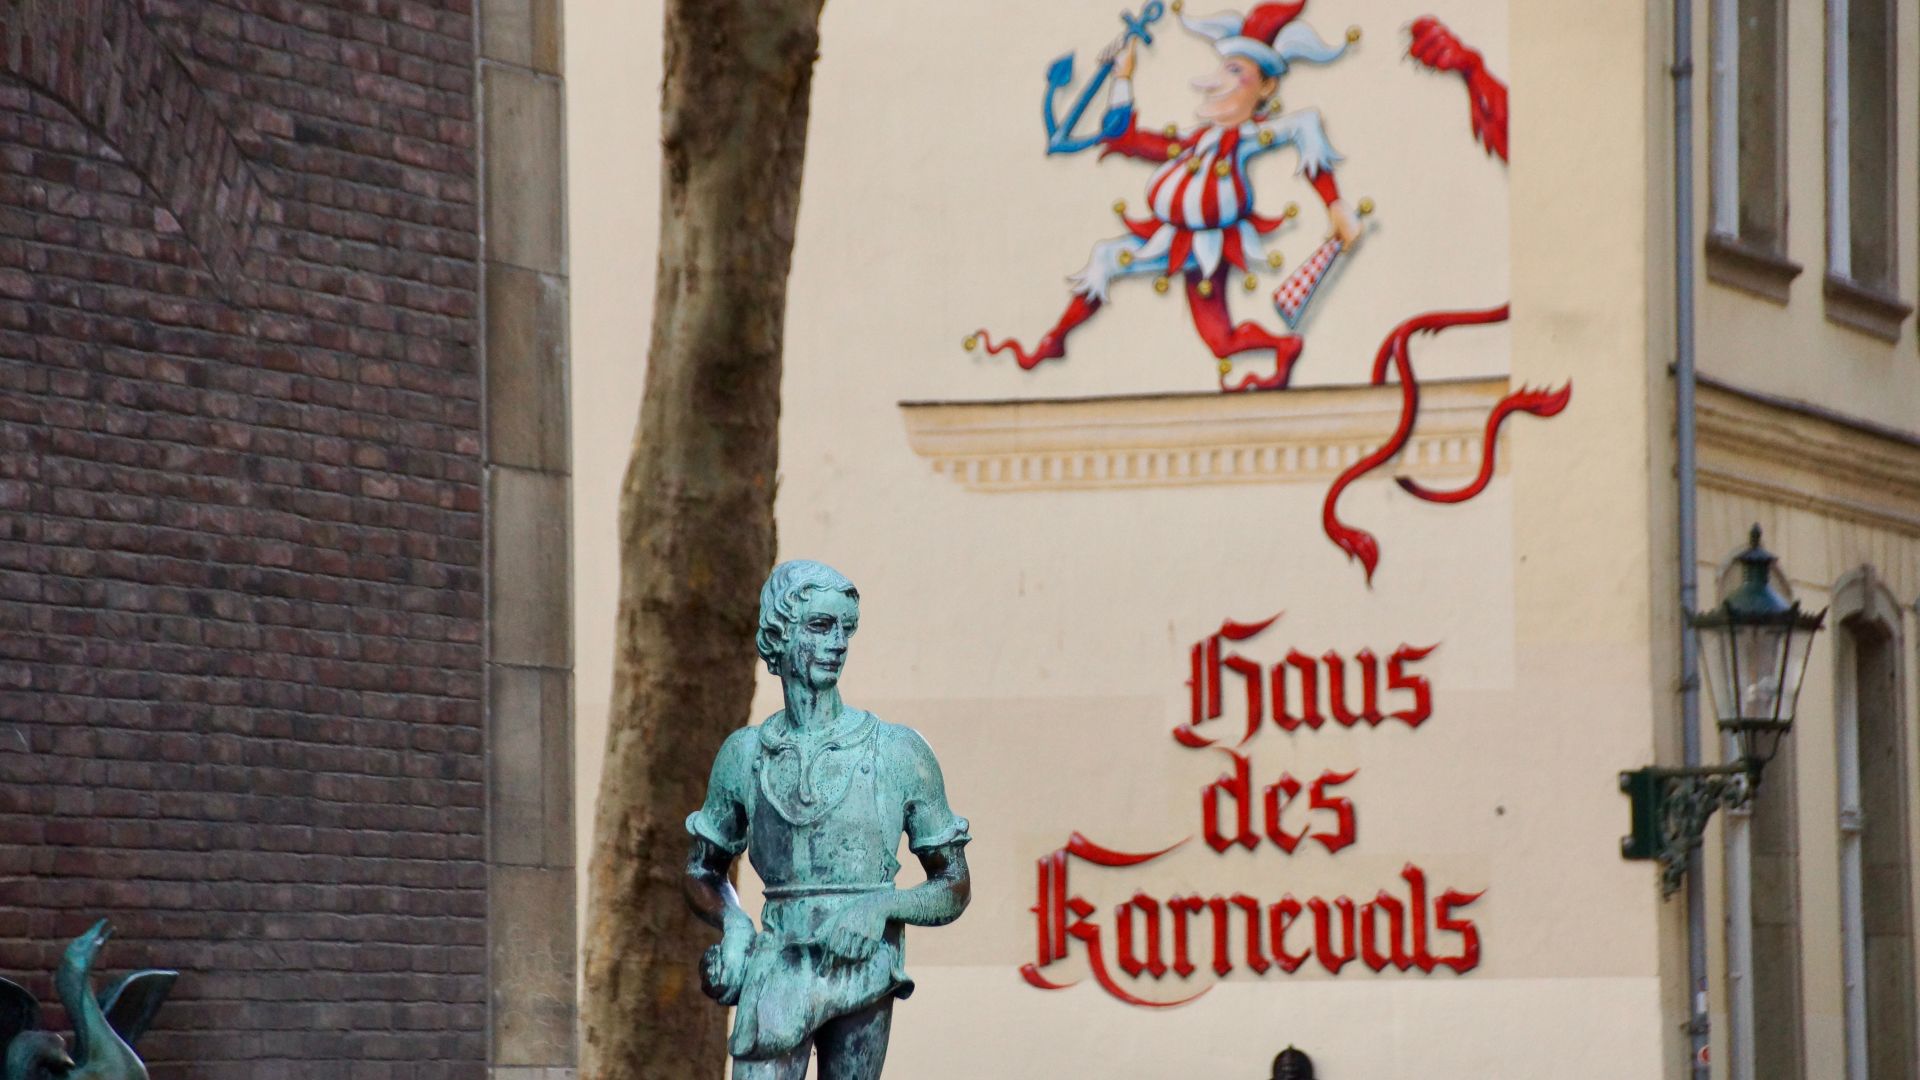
(1267, 34)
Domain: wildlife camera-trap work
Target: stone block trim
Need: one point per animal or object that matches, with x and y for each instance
(532, 898)
(242, 637)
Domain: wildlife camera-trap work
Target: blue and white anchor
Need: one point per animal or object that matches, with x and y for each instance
(1060, 136)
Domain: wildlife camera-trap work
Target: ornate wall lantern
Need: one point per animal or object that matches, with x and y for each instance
(1753, 649)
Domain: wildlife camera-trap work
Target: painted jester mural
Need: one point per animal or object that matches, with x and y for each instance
(1201, 222)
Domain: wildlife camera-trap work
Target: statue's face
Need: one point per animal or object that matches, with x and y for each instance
(815, 649)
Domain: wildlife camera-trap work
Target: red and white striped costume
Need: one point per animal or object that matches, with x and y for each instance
(1201, 200)
(1200, 196)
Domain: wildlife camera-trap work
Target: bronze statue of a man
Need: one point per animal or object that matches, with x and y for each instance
(817, 796)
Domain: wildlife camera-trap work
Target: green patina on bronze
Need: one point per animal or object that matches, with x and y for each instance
(104, 1028)
(817, 796)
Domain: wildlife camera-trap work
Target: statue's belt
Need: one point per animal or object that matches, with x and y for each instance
(802, 892)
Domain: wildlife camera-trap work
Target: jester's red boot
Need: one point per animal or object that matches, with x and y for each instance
(1207, 298)
(1053, 344)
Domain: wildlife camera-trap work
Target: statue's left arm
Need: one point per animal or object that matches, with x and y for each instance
(937, 837)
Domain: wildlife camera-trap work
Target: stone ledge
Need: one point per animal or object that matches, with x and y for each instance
(1309, 434)
(1797, 454)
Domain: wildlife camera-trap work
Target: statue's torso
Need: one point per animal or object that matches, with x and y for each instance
(825, 810)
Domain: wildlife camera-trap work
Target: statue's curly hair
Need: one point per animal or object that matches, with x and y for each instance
(780, 599)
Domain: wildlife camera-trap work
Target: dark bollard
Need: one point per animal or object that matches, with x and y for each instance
(1292, 1064)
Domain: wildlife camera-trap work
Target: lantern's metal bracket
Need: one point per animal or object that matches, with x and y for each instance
(1671, 808)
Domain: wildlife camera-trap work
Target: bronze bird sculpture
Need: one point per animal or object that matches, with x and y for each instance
(104, 1028)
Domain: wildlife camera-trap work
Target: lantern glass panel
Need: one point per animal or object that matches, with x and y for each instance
(1759, 661)
(1799, 647)
(1716, 660)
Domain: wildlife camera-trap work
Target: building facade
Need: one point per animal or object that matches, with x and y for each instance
(1296, 715)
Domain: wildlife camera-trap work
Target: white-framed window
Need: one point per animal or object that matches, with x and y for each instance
(1876, 925)
(1748, 92)
(1862, 113)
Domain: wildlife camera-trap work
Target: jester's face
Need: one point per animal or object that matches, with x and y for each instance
(1232, 94)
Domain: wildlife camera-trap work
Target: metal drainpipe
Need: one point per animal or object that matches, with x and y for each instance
(1685, 463)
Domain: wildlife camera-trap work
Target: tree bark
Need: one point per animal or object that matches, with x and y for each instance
(696, 516)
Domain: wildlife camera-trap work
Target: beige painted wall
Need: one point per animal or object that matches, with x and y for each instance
(1038, 638)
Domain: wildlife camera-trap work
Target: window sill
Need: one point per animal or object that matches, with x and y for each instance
(1740, 265)
(1865, 308)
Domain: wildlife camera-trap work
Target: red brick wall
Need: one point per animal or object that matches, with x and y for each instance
(240, 531)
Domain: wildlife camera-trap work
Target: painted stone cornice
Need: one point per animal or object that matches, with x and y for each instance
(1303, 435)
(1796, 454)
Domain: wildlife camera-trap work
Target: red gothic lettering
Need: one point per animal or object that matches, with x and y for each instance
(1469, 957)
(1203, 684)
(1289, 787)
(1050, 910)
(1323, 932)
(1342, 808)
(1337, 689)
(1178, 909)
(1416, 880)
(1309, 670)
(1203, 687)
(1089, 935)
(1130, 963)
(1256, 961)
(1398, 679)
(1253, 676)
(1279, 917)
(1370, 954)
(1055, 906)
(1238, 788)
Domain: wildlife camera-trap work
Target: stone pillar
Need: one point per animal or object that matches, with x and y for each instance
(530, 888)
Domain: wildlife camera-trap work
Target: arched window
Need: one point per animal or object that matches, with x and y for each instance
(1877, 962)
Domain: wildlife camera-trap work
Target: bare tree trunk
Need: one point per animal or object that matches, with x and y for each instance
(696, 516)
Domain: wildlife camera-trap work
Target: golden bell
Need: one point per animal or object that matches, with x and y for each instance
(1226, 366)
(1221, 168)
(1206, 287)
(1266, 138)
(1120, 206)
(1366, 207)
(1193, 165)
(1160, 284)
(1353, 35)
(1275, 259)
(1292, 211)
(1173, 151)
(1251, 281)
(1125, 258)
(1172, 131)
(1177, 5)
(970, 342)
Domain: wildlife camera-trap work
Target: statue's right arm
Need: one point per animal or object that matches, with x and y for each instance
(719, 834)
(710, 890)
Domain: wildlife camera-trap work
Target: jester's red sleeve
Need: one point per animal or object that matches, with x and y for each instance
(1323, 183)
(1135, 143)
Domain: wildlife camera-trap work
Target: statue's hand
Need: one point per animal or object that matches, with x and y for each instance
(723, 971)
(857, 930)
